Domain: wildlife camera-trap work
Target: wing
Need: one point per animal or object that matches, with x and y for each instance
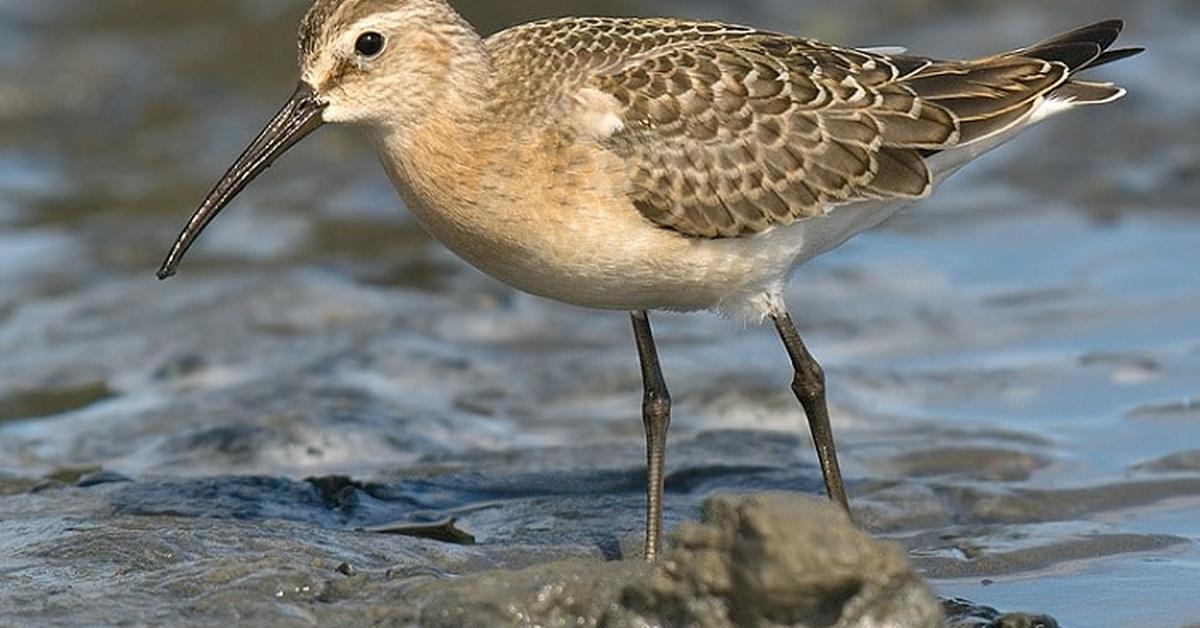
(732, 137)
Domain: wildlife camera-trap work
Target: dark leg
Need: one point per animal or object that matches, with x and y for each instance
(656, 415)
(809, 386)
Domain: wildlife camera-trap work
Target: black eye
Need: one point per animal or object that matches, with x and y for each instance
(369, 44)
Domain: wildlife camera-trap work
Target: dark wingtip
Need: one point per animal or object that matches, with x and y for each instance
(1103, 33)
(1116, 23)
(1084, 47)
(165, 273)
(1074, 55)
(1112, 56)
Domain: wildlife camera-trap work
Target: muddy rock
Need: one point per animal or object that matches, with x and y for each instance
(780, 560)
(765, 560)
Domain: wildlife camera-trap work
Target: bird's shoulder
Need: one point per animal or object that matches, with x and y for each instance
(558, 56)
(583, 45)
(541, 62)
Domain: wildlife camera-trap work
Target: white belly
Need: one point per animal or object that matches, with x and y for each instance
(627, 263)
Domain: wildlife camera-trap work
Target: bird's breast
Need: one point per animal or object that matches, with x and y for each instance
(555, 220)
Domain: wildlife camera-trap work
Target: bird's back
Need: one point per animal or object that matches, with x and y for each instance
(541, 62)
(730, 131)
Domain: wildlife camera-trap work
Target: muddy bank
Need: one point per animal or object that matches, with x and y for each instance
(275, 553)
(178, 496)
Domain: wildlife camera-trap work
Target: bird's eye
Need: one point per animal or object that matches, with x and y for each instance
(369, 44)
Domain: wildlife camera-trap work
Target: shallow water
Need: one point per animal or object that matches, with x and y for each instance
(1014, 364)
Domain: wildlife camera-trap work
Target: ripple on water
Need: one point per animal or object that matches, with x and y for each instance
(50, 401)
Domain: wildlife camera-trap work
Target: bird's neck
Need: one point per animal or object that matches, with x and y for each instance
(440, 159)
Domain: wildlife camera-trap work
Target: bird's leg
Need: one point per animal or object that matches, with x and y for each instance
(809, 386)
(656, 415)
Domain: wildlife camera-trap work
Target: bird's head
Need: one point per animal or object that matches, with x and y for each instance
(386, 64)
(382, 62)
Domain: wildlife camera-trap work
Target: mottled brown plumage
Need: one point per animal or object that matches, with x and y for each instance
(730, 131)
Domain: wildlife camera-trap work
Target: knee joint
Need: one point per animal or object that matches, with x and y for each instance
(657, 405)
(809, 384)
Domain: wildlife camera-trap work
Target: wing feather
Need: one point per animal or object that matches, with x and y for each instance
(731, 138)
(728, 131)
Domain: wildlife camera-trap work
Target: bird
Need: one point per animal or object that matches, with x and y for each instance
(646, 165)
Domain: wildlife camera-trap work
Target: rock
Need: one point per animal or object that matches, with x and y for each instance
(964, 614)
(766, 560)
(780, 560)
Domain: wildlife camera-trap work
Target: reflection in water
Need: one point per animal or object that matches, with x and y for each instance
(1014, 364)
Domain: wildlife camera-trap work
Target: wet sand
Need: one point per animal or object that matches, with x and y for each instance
(326, 418)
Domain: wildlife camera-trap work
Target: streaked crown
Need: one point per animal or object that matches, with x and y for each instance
(381, 61)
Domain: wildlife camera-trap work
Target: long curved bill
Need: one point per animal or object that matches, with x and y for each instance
(299, 117)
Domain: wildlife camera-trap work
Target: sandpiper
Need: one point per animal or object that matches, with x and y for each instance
(656, 164)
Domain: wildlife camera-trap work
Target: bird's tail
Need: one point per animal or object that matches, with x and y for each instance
(1083, 49)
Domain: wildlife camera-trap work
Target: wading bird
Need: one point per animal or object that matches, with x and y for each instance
(656, 164)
